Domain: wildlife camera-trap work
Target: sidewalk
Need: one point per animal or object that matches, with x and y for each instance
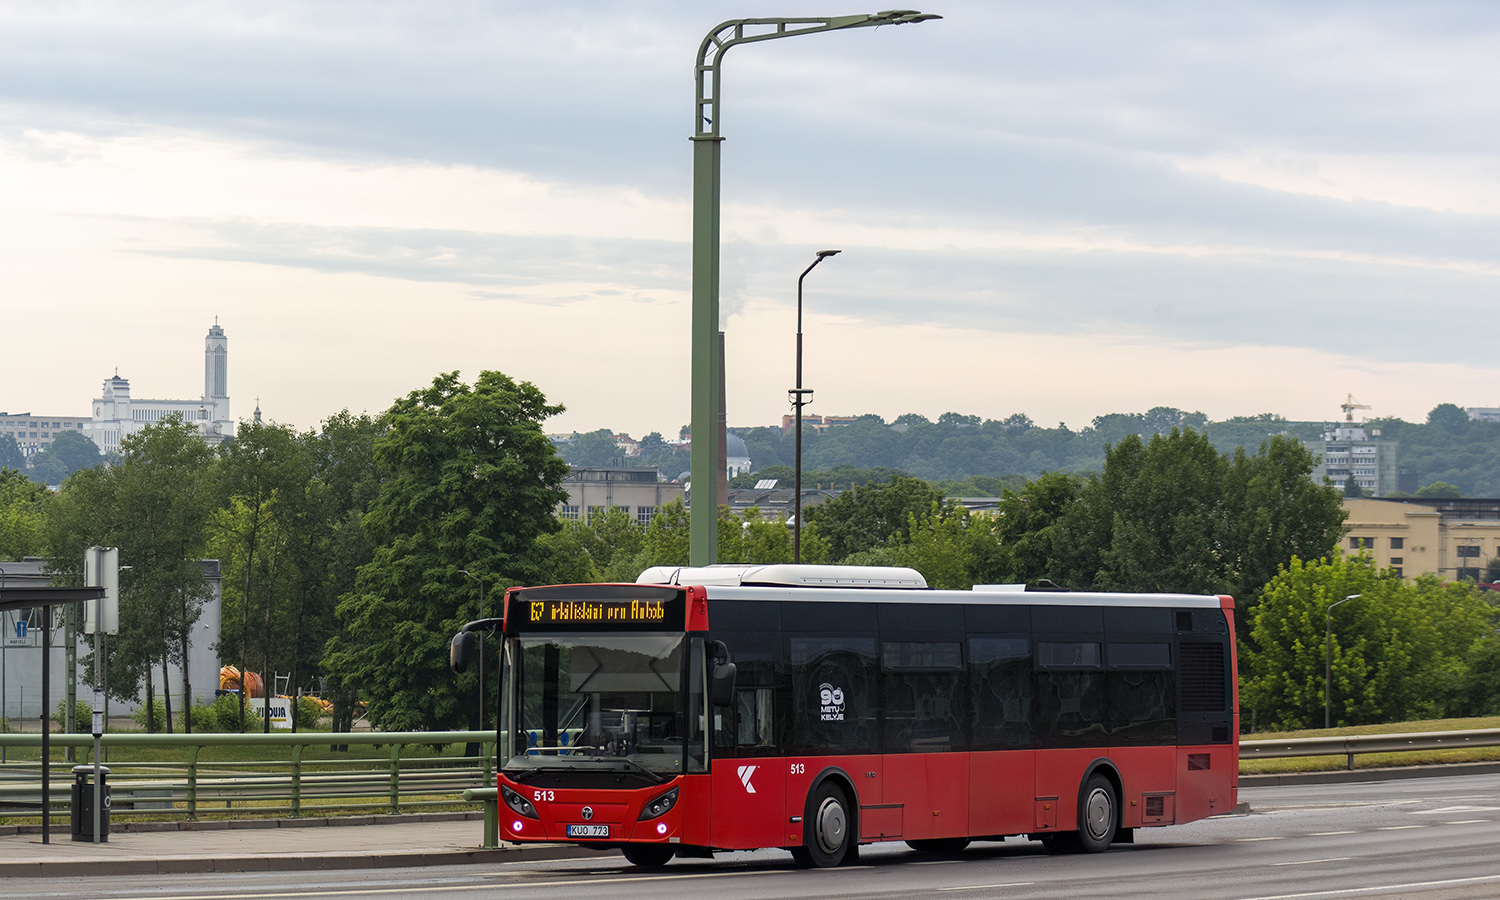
(268, 845)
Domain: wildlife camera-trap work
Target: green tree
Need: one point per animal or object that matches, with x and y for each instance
(470, 482)
(1440, 489)
(69, 452)
(1150, 522)
(344, 462)
(666, 542)
(1176, 515)
(595, 448)
(154, 506)
(607, 547)
(260, 535)
(941, 548)
(1024, 526)
(750, 537)
(1450, 417)
(23, 511)
(11, 456)
(1399, 651)
(872, 514)
(568, 560)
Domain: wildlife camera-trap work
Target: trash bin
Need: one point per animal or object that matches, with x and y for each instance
(83, 804)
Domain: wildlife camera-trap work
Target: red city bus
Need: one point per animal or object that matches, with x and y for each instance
(818, 708)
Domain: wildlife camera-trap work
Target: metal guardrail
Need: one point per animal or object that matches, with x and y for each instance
(399, 780)
(292, 785)
(1354, 744)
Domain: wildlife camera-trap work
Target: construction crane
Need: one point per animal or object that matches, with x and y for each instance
(1349, 406)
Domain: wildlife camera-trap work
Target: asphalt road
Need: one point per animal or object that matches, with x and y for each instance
(1437, 838)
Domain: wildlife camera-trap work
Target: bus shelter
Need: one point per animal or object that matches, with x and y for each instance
(15, 598)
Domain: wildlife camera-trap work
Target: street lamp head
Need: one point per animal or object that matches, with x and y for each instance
(902, 16)
(823, 253)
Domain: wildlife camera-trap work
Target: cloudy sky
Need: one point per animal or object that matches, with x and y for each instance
(1062, 209)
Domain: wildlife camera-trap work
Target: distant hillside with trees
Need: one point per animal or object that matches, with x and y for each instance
(970, 456)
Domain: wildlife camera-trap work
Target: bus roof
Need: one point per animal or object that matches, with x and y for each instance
(862, 584)
(787, 576)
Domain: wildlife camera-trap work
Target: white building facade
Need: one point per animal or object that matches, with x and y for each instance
(117, 415)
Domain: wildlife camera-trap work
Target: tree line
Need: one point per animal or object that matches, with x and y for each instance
(1171, 513)
(351, 553)
(975, 456)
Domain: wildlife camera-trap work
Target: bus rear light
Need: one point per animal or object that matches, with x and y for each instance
(659, 806)
(518, 803)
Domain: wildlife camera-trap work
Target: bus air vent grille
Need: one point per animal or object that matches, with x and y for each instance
(1202, 677)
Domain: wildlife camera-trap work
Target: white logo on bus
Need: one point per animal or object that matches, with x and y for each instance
(831, 703)
(745, 773)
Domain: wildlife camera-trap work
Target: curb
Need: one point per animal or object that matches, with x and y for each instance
(61, 824)
(290, 863)
(1356, 776)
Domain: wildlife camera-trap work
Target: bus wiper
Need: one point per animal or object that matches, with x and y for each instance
(655, 777)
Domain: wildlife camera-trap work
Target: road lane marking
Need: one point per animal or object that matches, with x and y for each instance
(986, 887)
(1398, 827)
(1330, 833)
(1478, 879)
(1253, 840)
(471, 886)
(1467, 822)
(1308, 862)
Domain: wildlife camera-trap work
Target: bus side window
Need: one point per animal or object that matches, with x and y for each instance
(747, 727)
(1142, 693)
(754, 721)
(1003, 691)
(1070, 692)
(924, 702)
(834, 692)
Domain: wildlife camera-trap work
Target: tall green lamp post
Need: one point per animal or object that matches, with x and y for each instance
(703, 540)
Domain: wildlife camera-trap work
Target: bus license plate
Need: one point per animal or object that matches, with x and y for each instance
(588, 831)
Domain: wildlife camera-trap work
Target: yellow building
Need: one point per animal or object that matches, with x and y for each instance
(1452, 539)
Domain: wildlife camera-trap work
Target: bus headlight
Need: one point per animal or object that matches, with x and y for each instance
(518, 803)
(660, 805)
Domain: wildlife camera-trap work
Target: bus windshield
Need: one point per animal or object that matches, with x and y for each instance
(610, 702)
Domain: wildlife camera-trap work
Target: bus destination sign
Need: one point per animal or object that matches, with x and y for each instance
(574, 611)
(604, 607)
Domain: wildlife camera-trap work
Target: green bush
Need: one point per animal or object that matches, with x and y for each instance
(309, 711)
(223, 715)
(142, 720)
(83, 716)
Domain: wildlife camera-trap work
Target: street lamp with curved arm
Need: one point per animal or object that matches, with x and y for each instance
(703, 530)
(801, 398)
(1328, 659)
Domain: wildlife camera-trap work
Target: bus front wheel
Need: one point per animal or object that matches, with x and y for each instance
(826, 828)
(647, 856)
(1098, 815)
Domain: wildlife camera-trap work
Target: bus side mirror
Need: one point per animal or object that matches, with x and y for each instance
(721, 681)
(461, 651)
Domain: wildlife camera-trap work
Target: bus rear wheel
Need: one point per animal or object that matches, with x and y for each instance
(939, 845)
(826, 829)
(647, 856)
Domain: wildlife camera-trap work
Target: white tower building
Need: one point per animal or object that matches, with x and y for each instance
(117, 414)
